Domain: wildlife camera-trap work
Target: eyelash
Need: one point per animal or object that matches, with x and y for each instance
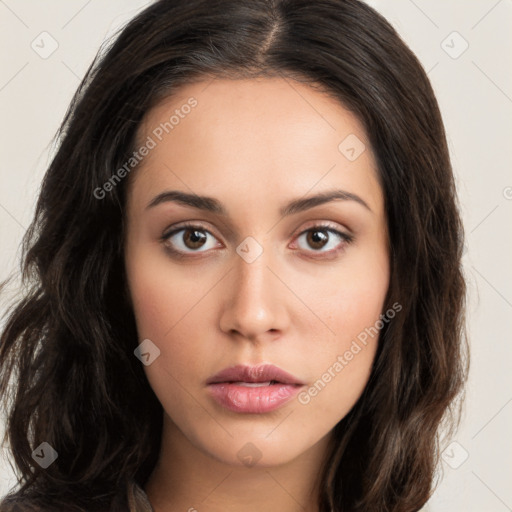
(346, 239)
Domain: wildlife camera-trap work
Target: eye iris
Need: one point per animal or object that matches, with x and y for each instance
(197, 237)
(315, 237)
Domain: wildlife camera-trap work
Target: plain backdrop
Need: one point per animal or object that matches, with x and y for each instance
(464, 45)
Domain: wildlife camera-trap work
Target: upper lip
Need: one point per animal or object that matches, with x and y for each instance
(259, 373)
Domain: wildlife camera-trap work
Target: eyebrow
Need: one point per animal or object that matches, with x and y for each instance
(213, 205)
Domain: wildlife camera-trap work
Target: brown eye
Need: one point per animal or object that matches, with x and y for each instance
(323, 236)
(193, 238)
(317, 238)
(188, 239)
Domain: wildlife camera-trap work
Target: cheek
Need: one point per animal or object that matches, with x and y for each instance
(350, 304)
(160, 297)
(340, 369)
(351, 297)
(166, 308)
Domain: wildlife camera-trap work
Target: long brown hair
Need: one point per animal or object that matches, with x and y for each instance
(68, 342)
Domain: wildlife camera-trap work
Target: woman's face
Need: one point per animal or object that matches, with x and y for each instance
(265, 276)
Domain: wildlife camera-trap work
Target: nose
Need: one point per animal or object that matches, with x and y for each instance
(254, 305)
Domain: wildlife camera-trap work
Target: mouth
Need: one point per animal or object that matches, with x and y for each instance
(265, 374)
(253, 389)
(254, 384)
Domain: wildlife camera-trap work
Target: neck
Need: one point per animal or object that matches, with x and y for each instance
(188, 479)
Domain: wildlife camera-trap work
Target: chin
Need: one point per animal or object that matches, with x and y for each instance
(256, 449)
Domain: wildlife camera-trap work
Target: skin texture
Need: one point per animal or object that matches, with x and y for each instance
(254, 145)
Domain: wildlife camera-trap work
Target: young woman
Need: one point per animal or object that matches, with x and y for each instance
(244, 272)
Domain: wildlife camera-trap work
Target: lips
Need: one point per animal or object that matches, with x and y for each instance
(253, 389)
(265, 373)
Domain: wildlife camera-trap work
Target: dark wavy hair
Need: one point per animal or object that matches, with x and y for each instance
(68, 375)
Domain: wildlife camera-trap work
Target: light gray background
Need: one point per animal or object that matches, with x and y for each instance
(474, 90)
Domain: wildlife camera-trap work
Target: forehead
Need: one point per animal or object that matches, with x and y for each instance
(252, 135)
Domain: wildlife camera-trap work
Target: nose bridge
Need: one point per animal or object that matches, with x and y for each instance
(252, 275)
(253, 306)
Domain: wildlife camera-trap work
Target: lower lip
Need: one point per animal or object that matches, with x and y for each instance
(246, 399)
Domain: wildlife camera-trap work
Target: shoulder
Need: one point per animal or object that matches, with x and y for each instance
(13, 504)
(138, 499)
(17, 503)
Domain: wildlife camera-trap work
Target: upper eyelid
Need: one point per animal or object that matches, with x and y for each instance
(198, 224)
